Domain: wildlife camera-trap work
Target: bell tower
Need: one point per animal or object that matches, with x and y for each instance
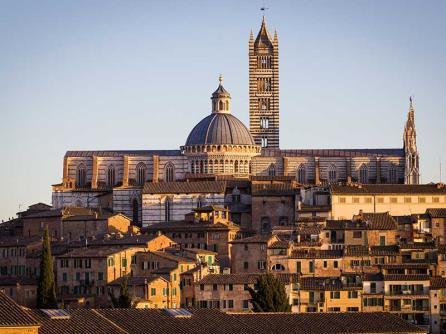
(264, 88)
(412, 158)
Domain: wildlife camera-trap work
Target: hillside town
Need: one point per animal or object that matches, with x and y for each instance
(179, 241)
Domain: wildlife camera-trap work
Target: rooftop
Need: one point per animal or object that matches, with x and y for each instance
(184, 187)
(370, 189)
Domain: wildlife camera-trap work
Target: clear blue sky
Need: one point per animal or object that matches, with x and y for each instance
(80, 75)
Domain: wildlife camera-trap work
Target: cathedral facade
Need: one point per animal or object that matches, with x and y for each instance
(147, 185)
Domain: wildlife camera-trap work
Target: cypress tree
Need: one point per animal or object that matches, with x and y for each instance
(124, 300)
(270, 295)
(46, 291)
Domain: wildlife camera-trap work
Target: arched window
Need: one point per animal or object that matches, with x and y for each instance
(272, 170)
(332, 174)
(278, 267)
(141, 173)
(363, 174)
(302, 174)
(135, 212)
(168, 209)
(192, 167)
(201, 167)
(169, 173)
(111, 176)
(81, 176)
(220, 105)
(393, 178)
(236, 166)
(211, 166)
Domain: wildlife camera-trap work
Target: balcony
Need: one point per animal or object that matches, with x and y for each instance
(406, 308)
(407, 293)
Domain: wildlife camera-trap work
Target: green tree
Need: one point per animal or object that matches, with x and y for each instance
(124, 300)
(46, 291)
(270, 295)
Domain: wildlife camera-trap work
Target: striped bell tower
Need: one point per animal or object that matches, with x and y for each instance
(264, 88)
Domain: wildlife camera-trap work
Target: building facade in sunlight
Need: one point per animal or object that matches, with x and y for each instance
(220, 147)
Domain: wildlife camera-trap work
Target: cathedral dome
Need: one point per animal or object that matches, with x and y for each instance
(220, 128)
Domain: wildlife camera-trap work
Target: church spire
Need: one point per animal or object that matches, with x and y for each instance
(412, 175)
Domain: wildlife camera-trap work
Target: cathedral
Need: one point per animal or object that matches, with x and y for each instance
(147, 184)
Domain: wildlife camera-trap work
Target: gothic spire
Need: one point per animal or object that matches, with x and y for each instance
(263, 39)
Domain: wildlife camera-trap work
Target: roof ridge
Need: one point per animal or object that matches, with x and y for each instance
(110, 321)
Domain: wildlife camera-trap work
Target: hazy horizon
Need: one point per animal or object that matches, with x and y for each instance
(115, 75)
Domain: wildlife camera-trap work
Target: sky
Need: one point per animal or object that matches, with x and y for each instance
(104, 75)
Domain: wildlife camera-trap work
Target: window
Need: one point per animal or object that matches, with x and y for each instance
(363, 174)
(357, 234)
(407, 200)
(261, 265)
(301, 174)
(393, 200)
(382, 240)
(393, 174)
(372, 287)
(264, 142)
(245, 247)
(230, 303)
(380, 200)
(201, 287)
(245, 304)
(352, 309)
(368, 200)
(245, 265)
(265, 224)
(272, 170)
(153, 291)
(342, 200)
(325, 264)
(141, 173)
(263, 104)
(355, 200)
(334, 309)
(111, 176)
(352, 294)
(64, 277)
(335, 294)
(298, 267)
(100, 276)
(278, 267)
(214, 287)
(332, 174)
(124, 263)
(81, 176)
(169, 173)
(167, 209)
(421, 199)
(435, 199)
(311, 266)
(335, 264)
(135, 212)
(264, 122)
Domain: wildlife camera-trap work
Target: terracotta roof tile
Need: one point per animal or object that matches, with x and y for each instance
(13, 315)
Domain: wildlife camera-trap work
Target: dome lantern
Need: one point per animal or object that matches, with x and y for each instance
(220, 99)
